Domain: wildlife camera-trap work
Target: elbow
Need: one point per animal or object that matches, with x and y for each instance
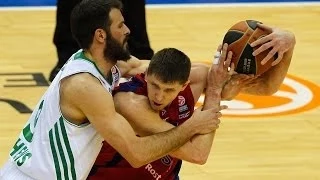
(200, 158)
(267, 92)
(136, 161)
(138, 158)
(136, 164)
(136, 154)
(133, 157)
(293, 39)
(271, 89)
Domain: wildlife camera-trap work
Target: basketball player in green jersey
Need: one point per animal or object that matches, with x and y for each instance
(64, 134)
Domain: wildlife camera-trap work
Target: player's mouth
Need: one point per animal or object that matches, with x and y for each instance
(156, 104)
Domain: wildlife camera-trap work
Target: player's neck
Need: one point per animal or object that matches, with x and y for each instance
(103, 64)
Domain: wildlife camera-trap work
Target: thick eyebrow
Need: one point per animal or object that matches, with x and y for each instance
(166, 89)
(155, 85)
(169, 89)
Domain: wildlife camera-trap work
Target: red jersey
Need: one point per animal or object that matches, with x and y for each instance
(111, 165)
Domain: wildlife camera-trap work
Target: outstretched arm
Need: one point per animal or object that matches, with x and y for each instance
(281, 42)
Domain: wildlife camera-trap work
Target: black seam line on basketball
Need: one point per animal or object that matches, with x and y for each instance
(246, 22)
(249, 28)
(246, 42)
(249, 45)
(253, 51)
(239, 38)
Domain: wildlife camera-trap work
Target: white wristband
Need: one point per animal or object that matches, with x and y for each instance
(216, 58)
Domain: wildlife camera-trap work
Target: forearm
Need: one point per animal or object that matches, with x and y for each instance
(196, 150)
(201, 144)
(150, 148)
(212, 98)
(269, 82)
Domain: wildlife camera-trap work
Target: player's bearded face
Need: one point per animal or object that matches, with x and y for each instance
(114, 50)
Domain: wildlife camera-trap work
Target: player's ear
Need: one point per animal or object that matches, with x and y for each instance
(146, 74)
(185, 85)
(100, 35)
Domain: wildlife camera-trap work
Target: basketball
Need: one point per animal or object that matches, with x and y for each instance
(239, 37)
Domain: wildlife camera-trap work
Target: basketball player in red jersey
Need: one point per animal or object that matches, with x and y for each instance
(147, 120)
(281, 42)
(161, 99)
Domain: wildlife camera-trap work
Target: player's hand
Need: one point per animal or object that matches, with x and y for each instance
(234, 86)
(206, 121)
(279, 41)
(221, 70)
(132, 66)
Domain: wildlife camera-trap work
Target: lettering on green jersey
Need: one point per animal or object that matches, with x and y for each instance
(20, 152)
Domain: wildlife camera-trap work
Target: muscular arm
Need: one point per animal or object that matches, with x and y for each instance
(146, 121)
(87, 99)
(200, 145)
(212, 80)
(269, 82)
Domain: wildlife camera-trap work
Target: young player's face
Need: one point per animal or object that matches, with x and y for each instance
(116, 47)
(162, 94)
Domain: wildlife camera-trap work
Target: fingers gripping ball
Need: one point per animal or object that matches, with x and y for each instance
(239, 37)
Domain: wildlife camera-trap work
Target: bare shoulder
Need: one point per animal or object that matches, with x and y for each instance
(78, 82)
(75, 96)
(198, 79)
(198, 73)
(123, 100)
